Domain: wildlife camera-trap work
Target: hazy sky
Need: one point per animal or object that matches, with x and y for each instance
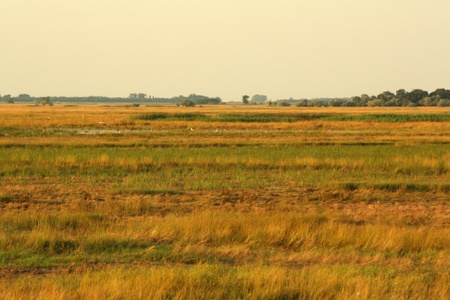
(225, 48)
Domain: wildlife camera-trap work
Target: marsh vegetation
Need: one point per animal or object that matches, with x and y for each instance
(214, 202)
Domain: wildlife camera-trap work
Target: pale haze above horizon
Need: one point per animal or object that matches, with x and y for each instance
(218, 48)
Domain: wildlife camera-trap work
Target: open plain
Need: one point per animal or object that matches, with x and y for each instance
(224, 202)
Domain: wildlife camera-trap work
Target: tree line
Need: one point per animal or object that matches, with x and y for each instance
(416, 97)
(138, 98)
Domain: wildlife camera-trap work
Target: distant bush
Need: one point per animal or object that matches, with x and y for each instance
(44, 101)
(259, 118)
(172, 117)
(189, 117)
(151, 116)
(187, 103)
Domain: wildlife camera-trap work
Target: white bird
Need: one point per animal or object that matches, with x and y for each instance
(217, 130)
(192, 129)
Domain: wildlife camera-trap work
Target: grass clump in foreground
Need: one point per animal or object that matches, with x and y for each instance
(250, 204)
(216, 282)
(222, 254)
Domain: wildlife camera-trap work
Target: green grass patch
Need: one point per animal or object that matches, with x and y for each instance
(393, 118)
(171, 117)
(294, 117)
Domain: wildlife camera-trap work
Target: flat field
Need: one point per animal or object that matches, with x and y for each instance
(224, 202)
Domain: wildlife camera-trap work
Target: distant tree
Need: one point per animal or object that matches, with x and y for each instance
(142, 96)
(187, 103)
(356, 101)
(199, 99)
(8, 98)
(364, 99)
(259, 98)
(396, 102)
(133, 96)
(430, 101)
(444, 102)
(216, 100)
(375, 102)
(245, 99)
(43, 101)
(401, 93)
(23, 96)
(348, 103)
(302, 103)
(442, 93)
(46, 101)
(318, 103)
(386, 96)
(415, 96)
(336, 102)
(284, 103)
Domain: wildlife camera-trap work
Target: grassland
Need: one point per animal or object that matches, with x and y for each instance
(224, 202)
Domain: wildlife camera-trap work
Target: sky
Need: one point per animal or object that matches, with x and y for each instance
(223, 48)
